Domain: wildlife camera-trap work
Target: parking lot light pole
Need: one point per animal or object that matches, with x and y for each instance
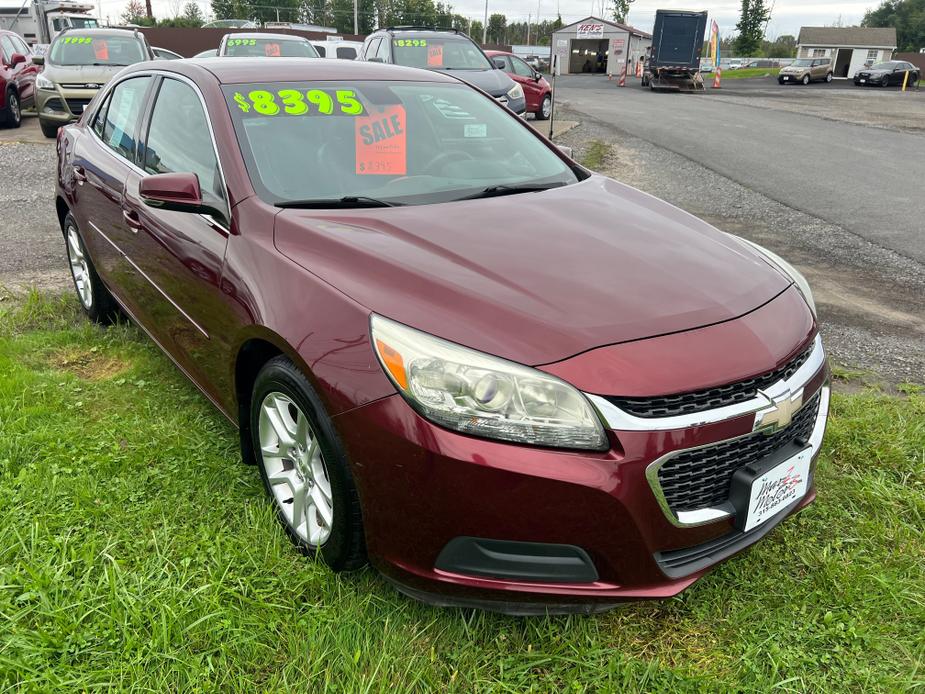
(485, 25)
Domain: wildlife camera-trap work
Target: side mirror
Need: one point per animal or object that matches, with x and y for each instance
(17, 59)
(38, 60)
(537, 76)
(178, 192)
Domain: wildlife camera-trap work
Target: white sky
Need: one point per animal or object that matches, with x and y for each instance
(786, 18)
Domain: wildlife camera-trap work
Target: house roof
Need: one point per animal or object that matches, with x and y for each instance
(881, 37)
(615, 25)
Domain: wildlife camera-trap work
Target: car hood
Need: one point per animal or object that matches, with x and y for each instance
(495, 82)
(535, 277)
(81, 74)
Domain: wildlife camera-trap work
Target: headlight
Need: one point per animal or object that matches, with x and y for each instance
(788, 270)
(478, 394)
(516, 92)
(42, 82)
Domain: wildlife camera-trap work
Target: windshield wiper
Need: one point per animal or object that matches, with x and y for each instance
(346, 202)
(496, 191)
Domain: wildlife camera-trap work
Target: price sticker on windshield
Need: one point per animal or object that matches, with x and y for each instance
(381, 145)
(77, 39)
(294, 102)
(410, 43)
(435, 56)
(242, 42)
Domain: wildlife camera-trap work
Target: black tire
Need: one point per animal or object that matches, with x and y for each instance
(102, 308)
(805, 80)
(828, 77)
(11, 116)
(885, 81)
(545, 108)
(49, 128)
(345, 548)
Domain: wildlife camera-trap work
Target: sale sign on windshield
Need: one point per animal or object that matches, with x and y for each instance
(588, 30)
(380, 142)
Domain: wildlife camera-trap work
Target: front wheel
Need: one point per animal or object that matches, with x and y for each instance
(545, 108)
(11, 116)
(885, 82)
(805, 79)
(94, 298)
(304, 467)
(49, 128)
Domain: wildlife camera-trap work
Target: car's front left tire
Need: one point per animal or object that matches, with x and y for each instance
(94, 297)
(805, 79)
(304, 467)
(11, 116)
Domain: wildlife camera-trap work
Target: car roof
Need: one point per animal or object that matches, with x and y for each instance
(130, 33)
(263, 35)
(229, 70)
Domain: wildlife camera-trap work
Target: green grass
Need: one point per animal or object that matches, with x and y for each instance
(745, 72)
(137, 550)
(595, 155)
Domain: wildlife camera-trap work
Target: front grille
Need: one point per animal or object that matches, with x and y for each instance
(701, 478)
(76, 106)
(710, 398)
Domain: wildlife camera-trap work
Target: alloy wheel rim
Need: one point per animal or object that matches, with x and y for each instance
(80, 269)
(295, 468)
(547, 106)
(14, 108)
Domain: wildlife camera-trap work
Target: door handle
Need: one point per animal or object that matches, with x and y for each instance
(131, 219)
(79, 175)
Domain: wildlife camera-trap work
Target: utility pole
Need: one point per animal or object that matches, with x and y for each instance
(356, 27)
(528, 29)
(485, 25)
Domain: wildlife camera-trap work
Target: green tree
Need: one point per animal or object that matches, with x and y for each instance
(620, 9)
(908, 16)
(497, 28)
(475, 30)
(192, 15)
(752, 21)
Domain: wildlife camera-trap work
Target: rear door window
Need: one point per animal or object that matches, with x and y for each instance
(521, 68)
(120, 126)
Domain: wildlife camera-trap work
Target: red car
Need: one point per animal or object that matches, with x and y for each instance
(536, 89)
(507, 381)
(17, 78)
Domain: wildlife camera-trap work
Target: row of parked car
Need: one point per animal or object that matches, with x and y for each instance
(61, 83)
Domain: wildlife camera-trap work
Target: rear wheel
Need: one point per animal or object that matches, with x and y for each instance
(94, 298)
(11, 116)
(545, 108)
(304, 467)
(49, 128)
(828, 77)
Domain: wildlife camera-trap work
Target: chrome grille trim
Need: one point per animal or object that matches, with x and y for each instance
(620, 420)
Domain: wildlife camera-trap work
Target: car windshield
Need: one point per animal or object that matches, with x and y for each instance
(107, 49)
(402, 143)
(83, 23)
(269, 48)
(439, 53)
(802, 62)
(884, 66)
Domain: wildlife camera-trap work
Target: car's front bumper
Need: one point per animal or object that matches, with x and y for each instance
(424, 488)
(783, 79)
(61, 105)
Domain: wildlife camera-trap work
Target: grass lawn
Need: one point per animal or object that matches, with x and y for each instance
(136, 549)
(744, 72)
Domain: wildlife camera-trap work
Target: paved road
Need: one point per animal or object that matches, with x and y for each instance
(867, 180)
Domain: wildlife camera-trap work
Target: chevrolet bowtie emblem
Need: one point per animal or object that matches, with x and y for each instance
(779, 413)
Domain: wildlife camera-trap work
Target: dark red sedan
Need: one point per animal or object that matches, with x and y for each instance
(17, 78)
(505, 380)
(537, 90)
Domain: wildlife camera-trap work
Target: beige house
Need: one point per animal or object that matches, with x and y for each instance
(849, 48)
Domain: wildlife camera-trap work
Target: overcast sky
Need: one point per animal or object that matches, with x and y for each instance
(787, 16)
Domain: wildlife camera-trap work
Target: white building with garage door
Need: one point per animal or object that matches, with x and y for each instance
(596, 45)
(849, 48)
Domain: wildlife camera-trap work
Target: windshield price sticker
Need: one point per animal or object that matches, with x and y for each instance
(410, 43)
(77, 39)
(435, 56)
(293, 102)
(242, 42)
(381, 142)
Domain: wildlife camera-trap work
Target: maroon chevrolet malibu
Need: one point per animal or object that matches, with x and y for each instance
(505, 381)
